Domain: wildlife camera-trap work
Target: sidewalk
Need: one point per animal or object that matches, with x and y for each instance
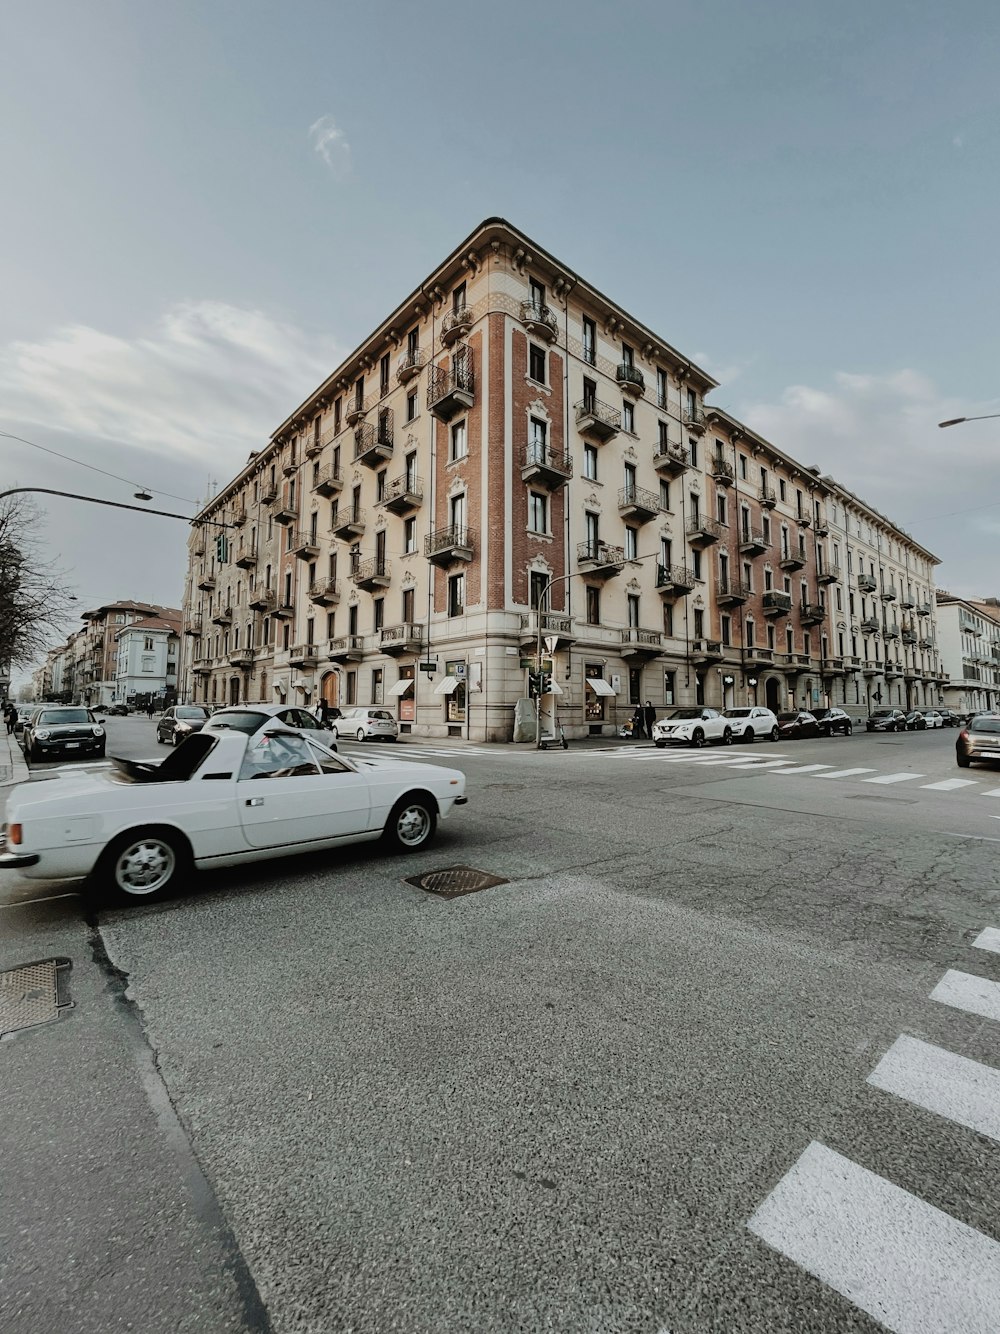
(12, 766)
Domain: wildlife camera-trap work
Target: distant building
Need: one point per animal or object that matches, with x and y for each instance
(969, 629)
(147, 659)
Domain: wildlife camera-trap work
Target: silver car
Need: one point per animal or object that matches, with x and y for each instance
(366, 725)
(251, 718)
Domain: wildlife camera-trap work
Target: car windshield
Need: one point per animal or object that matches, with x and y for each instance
(381, 714)
(882, 713)
(683, 714)
(787, 717)
(50, 717)
(822, 713)
(191, 713)
(985, 725)
(736, 713)
(238, 721)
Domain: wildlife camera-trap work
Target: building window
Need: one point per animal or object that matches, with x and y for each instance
(378, 607)
(661, 389)
(459, 444)
(410, 535)
(458, 297)
(720, 508)
(537, 292)
(537, 582)
(383, 375)
(411, 407)
(589, 342)
(631, 543)
(668, 619)
(538, 512)
(628, 418)
(352, 688)
(696, 564)
(589, 394)
(352, 620)
(699, 623)
(664, 494)
(537, 438)
(408, 600)
(743, 467)
(456, 595)
(456, 508)
(536, 363)
(693, 451)
(590, 462)
(726, 624)
(376, 685)
(633, 610)
(593, 605)
(148, 643)
(669, 687)
(781, 487)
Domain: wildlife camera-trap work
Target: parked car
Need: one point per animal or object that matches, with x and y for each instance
(915, 721)
(253, 718)
(221, 799)
(179, 722)
(751, 723)
(833, 720)
(950, 718)
(692, 727)
(365, 725)
(25, 713)
(796, 726)
(51, 732)
(978, 740)
(932, 717)
(886, 720)
(117, 710)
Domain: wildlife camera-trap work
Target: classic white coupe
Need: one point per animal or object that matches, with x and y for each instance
(219, 799)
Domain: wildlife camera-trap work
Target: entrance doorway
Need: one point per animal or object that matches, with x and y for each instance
(772, 694)
(330, 689)
(234, 690)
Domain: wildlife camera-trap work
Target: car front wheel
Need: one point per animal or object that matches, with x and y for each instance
(143, 865)
(361, 734)
(848, 730)
(411, 824)
(774, 734)
(727, 737)
(748, 736)
(697, 738)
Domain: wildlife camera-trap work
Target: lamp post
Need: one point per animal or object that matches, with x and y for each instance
(957, 421)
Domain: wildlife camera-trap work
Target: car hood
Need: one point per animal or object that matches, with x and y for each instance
(411, 769)
(66, 729)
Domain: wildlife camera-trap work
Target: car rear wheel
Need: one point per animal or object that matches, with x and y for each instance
(361, 734)
(143, 865)
(848, 730)
(697, 738)
(411, 823)
(748, 736)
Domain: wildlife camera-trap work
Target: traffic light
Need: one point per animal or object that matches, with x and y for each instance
(222, 549)
(533, 683)
(545, 683)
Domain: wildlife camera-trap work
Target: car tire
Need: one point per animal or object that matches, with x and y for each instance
(963, 761)
(775, 734)
(411, 823)
(143, 865)
(697, 738)
(660, 745)
(848, 730)
(748, 736)
(727, 737)
(175, 741)
(361, 734)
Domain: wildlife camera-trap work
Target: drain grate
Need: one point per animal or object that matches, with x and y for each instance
(451, 882)
(34, 993)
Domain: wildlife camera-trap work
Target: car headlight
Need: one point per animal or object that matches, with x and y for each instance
(43, 734)
(183, 727)
(98, 731)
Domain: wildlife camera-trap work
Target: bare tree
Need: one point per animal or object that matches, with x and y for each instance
(35, 598)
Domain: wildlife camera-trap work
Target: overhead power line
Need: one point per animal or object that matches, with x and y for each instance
(93, 468)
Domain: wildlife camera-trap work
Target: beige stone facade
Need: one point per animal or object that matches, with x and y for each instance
(505, 427)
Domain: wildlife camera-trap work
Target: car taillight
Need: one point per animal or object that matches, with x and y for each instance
(963, 735)
(14, 835)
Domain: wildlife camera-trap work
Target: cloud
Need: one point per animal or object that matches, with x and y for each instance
(331, 144)
(877, 434)
(209, 381)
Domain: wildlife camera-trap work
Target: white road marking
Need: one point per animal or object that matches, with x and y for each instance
(733, 760)
(993, 792)
(913, 1268)
(892, 778)
(845, 773)
(965, 991)
(940, 1081)
(988, 939)
(802, 769)
(761, 764)
(949, 785)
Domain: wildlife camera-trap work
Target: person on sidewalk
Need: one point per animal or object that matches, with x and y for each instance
(637, 723)
(10, 717)
(649, 717)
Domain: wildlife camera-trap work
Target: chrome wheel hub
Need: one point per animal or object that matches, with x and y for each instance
(145, 867)
(413, 825)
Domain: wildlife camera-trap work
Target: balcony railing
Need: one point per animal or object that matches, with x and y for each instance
(456, 542)
(303, 655)
(452, 389)
(637, 503)
(707, 650)
(869, 626)
(866, 583)
(598, 419)
(329, 481)
(721, 469)
(630, 378)
(374, 573)
(262, 599)
(409, 365)
(540, 321)
(767, 498)
(812, 613)
(776, 602)
(601, 555)
(403, 493)
(694, 419)
(730, 592)
(224, 616)
(672, 459)
(401, 638)
(553, 623)
(373, 440)
(348, 521)
(752, 542)
(325, 592)
(347, 647)
(193, 624)
(888, 593)
(552, 467)
(241, 657)
(675, 579)
(829, 574)
(305, 544)
(702, 529)
(923, 608)
(455, 325)
(641, 641)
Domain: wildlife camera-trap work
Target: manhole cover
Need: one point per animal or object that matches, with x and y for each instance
(453, 881)
(35, 993)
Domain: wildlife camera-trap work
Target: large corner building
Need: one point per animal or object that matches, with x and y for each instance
(506, 426)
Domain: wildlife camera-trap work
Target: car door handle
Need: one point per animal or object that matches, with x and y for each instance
(254, 801)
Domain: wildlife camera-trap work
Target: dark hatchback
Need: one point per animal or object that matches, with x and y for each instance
(915, 721)
(886, 720)
(951, 718)
(179, 722)
(796, 726)
(979, 740)
(833, 720)
(51, 733)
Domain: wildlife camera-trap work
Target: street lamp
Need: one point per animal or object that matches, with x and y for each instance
(957, 421)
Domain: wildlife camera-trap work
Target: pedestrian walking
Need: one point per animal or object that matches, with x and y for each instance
(637, 722)
(10, 717)
(149, 709)
(649, 715)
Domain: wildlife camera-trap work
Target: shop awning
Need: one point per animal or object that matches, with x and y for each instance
(448, 685)
(599, 686)
(401, 687)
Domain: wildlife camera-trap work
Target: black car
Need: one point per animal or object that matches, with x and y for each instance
(915, 721)
(951, 718)
(56, 731)
(117, 710)
(179, 722)
(833, 720)
(886, 720)
(978, 740)
(797, 725)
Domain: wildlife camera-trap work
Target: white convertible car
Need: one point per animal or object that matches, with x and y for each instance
(219, 799)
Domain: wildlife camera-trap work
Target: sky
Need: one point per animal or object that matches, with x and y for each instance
(206, 205)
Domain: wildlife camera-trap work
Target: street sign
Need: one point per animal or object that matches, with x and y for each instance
(551, 642)
(459, 669)
(428, 666)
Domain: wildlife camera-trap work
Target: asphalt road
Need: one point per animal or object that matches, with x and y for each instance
(682, 1072)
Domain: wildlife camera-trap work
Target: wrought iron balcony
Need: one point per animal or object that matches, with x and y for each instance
(405, 638)
(372, 574)
(283, 610)
(600, 559)
(869, 626)
(829, 575)
(207, 583)
(721, 470)
(305, 545)
(348, 522)
(638, 643)
(706, 651)
(812, 613)
(767, 498)
(410, 365)
(241, 657)
(540, 321)
(268, 493)
(888, 593)
(694, 420)
(630, 379)
(403, 494)
(598, 420)
(753, 542)
(303, 655)
(447, 546)
(349, 648)
(791, 560)
(239, 518)
(373, 440)
(224, 616)
(923, 608)
(674, 581)
(671, 459)
(286, 512)
(455, 325)
(551, 468)
(890, 632)
(193, 624)
(290, 467)
(553, 624)
(703, 531)
(325, 592)
(355, 411)
(907, 601)
(312, 446)
(246, 557)
(452, 390)
(908, 637)
(262, 599)
(731, 593)
(820, 525)
(867, 583)
(776, 602)
(329, 482)
(637, 504)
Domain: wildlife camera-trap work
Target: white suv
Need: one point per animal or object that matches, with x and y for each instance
(365, 725)
(751, 723)
(692, 727)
